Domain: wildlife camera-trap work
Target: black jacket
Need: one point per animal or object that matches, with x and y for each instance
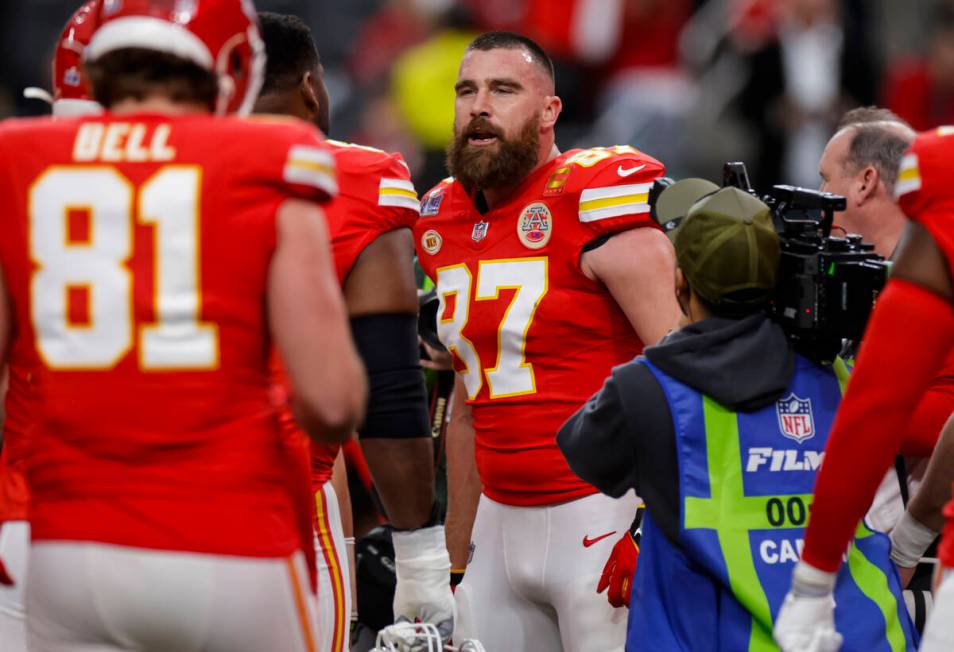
(623, 437)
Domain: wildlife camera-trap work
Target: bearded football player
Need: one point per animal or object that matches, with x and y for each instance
(369, 223)
(871, 421)
(549, 271)
(149, 263)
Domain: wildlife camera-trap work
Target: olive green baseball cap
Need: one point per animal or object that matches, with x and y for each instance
(675, 201)
(728, 249)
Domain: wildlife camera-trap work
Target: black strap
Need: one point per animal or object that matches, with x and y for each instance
(901, 469)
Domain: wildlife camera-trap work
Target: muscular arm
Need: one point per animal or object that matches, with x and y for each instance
(463, 483)
(870, 423)
(382, 282)
(308, 324)
(638, 267)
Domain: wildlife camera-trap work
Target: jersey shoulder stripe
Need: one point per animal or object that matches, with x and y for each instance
(613, 201)
(909, 176)
(311, 166)
(399, 193)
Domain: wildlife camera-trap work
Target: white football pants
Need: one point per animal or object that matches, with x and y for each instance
(334, 574)
(14, 550)
(86, 597)
(531, 582)
(939, 632)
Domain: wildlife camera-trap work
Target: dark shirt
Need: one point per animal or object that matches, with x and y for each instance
(623, 437)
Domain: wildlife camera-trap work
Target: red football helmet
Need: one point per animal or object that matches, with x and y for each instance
(222, 36)
(70, 90)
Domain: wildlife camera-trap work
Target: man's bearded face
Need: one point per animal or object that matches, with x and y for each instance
(481, 156)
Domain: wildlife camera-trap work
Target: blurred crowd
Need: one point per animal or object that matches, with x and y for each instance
(692, 82)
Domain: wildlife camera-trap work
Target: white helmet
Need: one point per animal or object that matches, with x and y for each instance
(418, 637)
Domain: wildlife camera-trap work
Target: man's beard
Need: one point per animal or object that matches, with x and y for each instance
(494, 167)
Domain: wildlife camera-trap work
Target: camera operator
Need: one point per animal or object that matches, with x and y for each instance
(861, 162)
(721, 428)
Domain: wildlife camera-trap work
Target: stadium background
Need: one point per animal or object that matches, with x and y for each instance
(692, 82)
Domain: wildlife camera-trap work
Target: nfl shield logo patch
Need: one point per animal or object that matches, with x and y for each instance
(479, 232)
(795, 418)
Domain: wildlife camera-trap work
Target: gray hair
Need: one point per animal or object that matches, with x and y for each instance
(880, 140)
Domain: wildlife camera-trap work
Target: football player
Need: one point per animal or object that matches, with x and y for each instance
(151, 256)
(70, 98)
(870, 425)
(369, 223)
(549, 271)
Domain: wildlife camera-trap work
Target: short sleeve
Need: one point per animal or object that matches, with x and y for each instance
(376, 197)
(924, 183)
(309, 171)
(615, 197)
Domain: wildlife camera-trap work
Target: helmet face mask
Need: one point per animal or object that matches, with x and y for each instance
(405, 636)
(220, 36)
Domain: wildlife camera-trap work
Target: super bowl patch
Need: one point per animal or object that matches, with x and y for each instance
(431, 241)
(535, 225)
(432, 203)
(795, 418)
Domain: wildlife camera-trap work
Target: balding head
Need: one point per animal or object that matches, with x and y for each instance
(875, 137)
(861, 162)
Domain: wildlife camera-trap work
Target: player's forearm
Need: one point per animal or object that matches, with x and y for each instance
(463, 483)
(403, 472)
(927, 505)
(870, 424)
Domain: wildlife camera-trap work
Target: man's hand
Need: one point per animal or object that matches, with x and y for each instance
(806, 622)
(423, 591)
(619, 570)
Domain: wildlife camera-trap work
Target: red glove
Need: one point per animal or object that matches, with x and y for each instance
(621, 566)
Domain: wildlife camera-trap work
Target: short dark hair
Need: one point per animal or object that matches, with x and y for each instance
(291, 49)
(513, 41)
(138, 73)
(877, 141)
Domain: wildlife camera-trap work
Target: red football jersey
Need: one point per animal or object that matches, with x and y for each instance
(924, 193)
(532, 336)
(375, 196)
(924, 186)
(136, 251)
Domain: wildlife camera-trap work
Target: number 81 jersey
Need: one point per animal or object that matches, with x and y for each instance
(136, 252)
(532, 336)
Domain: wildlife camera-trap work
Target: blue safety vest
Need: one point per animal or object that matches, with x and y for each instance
(745, 486)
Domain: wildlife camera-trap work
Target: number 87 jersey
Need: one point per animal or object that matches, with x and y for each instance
(136, 253)
(532, 336)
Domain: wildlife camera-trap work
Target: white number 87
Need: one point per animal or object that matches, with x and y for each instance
(97, 266)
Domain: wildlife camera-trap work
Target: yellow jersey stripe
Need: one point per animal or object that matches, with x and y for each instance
(398, 191)
(596, 204)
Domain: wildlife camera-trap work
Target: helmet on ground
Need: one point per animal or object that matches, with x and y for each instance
(419, 637)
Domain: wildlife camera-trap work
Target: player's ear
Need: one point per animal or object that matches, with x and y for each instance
(309, 95)
(551, 111)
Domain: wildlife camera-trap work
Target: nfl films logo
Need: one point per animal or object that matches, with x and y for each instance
(795, 418)
(479, 232)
